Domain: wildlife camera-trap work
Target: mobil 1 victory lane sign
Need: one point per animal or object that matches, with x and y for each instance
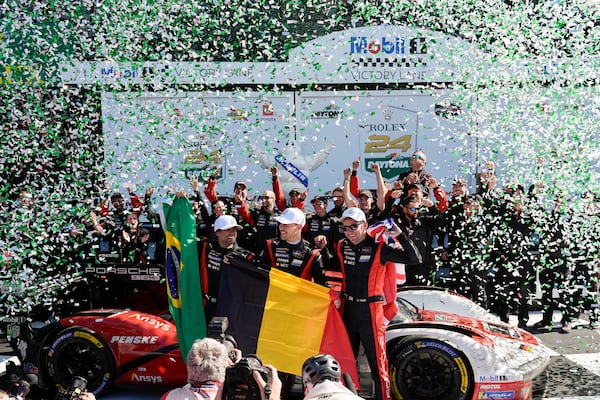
(165, 138)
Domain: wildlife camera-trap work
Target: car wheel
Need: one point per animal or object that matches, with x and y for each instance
(423, 369)
(78, 351)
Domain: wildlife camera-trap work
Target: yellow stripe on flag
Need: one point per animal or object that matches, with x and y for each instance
(171, 241)
(293, 321)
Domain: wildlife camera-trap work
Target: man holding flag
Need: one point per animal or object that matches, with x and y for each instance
(369, 290)
(282, 318)
(213, 255)
(183, 273)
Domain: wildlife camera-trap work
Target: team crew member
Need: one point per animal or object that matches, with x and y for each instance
(291, 253)
(233, 205)
(417, 173)
(212, 254)
(297, 195)
(321, 223)
(263, 218)
(369, 290)
(339, 205)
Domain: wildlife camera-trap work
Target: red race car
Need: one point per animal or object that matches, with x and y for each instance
(109, 347)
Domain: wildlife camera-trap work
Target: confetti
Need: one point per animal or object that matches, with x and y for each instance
(530, 102)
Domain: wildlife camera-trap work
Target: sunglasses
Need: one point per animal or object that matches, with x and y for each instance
(412, 209)
(352, 227)
(420, 157)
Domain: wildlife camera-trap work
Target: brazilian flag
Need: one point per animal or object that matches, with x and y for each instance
(183, 274)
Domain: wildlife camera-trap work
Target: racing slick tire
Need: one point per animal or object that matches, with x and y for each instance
(77, 351)
(427, 369)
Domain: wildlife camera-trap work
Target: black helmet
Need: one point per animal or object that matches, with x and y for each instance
(319, 367)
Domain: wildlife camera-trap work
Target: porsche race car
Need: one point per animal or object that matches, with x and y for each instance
(437, 349)
(443, 346)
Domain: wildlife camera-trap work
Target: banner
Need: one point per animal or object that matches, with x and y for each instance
(282, 318)
(292, 169)
(183, 274)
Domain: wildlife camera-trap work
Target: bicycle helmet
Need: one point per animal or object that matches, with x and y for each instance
(319, 367)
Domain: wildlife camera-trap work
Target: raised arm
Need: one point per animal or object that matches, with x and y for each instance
(381, 188)
(348, 200)
(354, 183)
(277, 189)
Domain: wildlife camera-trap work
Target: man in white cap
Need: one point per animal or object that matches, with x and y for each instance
(291, 253)
(211, 254)
(369, 290)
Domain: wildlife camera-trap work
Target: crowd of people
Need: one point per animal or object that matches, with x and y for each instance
(497, 246)
(491, 245)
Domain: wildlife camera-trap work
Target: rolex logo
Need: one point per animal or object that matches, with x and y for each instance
(387, 115)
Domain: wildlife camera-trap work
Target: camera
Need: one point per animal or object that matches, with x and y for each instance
(18, 382)
(74, 391)
(239, 379)
(216, 330)
(19, 390)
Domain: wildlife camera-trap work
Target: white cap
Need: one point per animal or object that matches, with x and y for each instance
(292, 215)
(355, 213)
(225, 222)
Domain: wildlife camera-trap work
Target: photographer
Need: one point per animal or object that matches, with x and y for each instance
(207, 362)
(321, 379)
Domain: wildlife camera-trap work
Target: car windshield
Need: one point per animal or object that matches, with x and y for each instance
(407, 311)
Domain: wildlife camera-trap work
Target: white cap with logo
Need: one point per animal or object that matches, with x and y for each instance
(292, 215)
(225, 222)
(355, 213)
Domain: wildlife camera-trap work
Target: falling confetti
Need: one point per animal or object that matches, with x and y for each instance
(530, 103)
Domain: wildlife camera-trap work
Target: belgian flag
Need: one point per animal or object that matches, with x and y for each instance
(282, 318)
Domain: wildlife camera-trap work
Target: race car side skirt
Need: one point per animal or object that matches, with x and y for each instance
(138, 362)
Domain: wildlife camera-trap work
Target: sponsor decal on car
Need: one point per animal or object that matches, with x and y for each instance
(133, 273)
(437, 345)
(146, 378)
(80, 334)
(151, 321)
(497, 395)
(490, 387)
(493, 378)
(134, 339)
